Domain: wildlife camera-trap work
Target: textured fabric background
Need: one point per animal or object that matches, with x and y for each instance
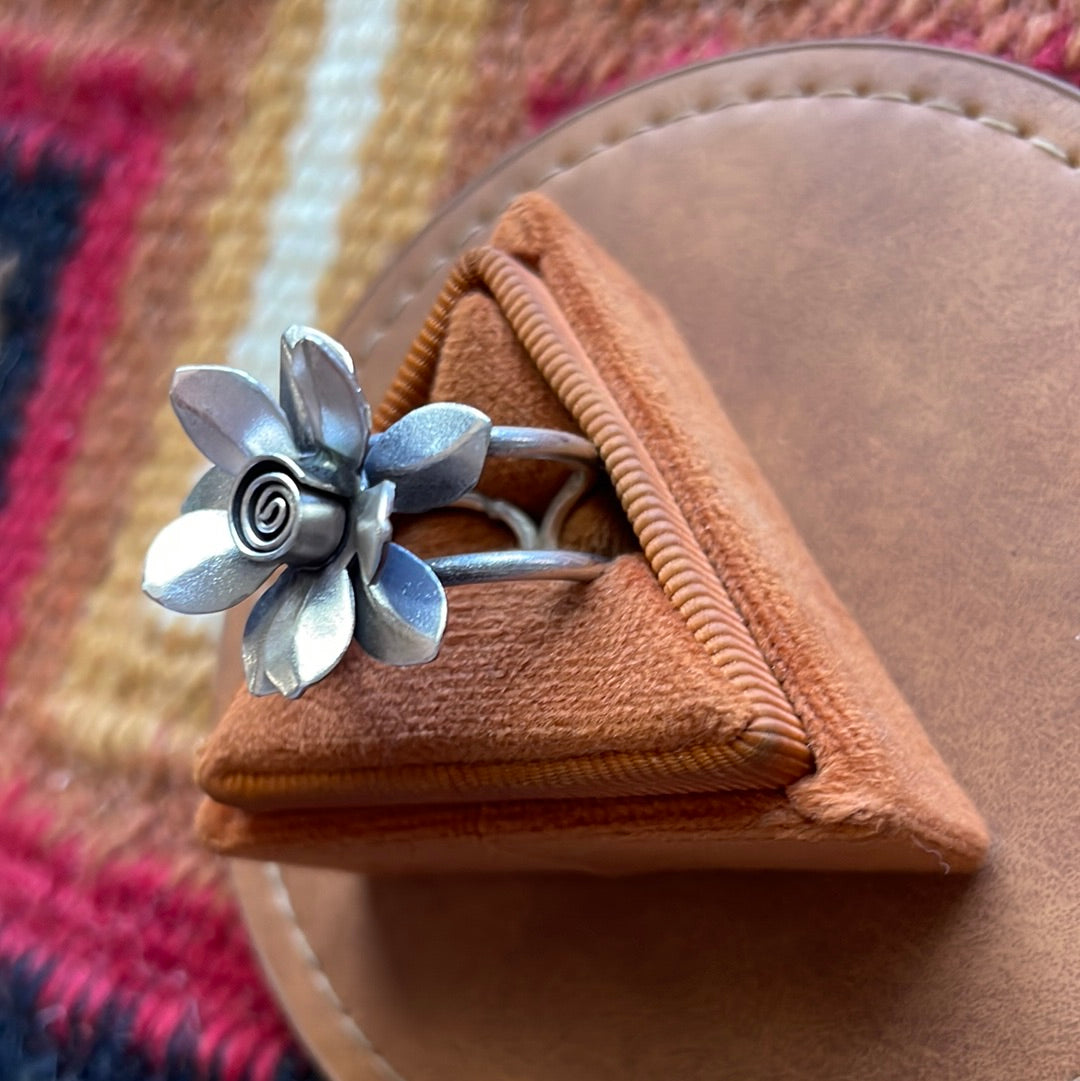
(180, 179)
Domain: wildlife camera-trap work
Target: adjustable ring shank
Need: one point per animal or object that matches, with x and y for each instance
(478, 567)
(539, 557)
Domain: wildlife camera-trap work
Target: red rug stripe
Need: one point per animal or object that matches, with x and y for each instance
(549, 101)
(125, 935)
(112, 120)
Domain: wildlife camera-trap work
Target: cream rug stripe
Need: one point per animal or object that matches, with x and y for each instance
(342, 104)
(404, 157)
(135, 683)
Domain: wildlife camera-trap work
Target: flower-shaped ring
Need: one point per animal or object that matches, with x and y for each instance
(303, 484)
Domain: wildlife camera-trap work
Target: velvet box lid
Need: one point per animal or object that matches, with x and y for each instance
(706, 702)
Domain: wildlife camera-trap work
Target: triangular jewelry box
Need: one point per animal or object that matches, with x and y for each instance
(707, 702)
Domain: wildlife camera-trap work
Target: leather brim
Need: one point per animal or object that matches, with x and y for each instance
(872, 250)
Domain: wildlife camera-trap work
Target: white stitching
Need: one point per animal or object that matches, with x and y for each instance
(1000, 125)
(279, 891)
(1046, 146)
(279, 894)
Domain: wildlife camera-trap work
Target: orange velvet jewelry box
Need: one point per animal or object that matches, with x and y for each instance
(706, 702)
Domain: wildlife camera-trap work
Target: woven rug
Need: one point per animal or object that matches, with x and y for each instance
(179, 179)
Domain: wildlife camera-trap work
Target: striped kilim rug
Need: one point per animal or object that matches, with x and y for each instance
(178, 180)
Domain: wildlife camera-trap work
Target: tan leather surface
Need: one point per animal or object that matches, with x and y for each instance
(882, 288)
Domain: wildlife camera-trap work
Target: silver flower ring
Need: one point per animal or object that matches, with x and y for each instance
(306, 486)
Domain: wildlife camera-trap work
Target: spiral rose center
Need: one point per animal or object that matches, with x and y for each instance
(268, 511)
(276, 517)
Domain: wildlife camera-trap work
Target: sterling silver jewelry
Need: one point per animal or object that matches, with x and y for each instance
(306, 486)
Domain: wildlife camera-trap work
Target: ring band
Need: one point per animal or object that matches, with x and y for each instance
(303, 484)
(543, 443)
(480, 567)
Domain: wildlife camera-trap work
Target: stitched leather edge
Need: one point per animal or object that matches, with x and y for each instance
(973, 113)
(350, 1029)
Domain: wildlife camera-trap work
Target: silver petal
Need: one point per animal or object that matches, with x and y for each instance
(401, 613)
(212, 491)
(333, 348)
(229, 416)
(434, 455)
(193, 565)
(319, 394)
(298, 630)
(373, 529)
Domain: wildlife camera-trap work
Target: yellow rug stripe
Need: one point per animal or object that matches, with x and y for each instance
(136, 682)
(405, 153)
